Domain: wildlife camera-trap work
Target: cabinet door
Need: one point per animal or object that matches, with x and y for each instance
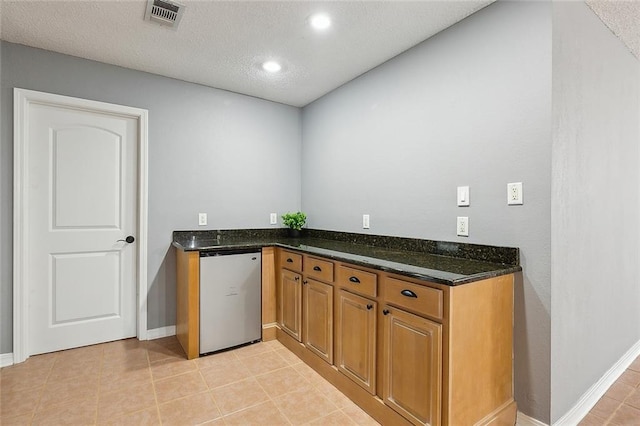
(356, 339)
(291, 303)
(412, 366)
(318, 318)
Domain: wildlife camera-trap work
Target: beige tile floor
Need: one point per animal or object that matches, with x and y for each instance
(620, 406)
(151, 383)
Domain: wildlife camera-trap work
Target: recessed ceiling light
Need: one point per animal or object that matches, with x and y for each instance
(271, 66)
(320, 21)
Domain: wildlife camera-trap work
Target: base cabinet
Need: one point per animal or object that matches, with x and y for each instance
(318, 318)
(356, 339)
(406, 350)
(291, 303)
(412, 366)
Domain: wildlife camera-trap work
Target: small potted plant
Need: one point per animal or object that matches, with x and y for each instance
(295, 222)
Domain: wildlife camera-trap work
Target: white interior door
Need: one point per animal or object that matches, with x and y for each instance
(81, 197)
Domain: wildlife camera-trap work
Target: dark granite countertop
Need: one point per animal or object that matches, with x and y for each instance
(446, 263)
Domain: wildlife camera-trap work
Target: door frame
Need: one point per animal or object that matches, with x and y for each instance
(22, 98)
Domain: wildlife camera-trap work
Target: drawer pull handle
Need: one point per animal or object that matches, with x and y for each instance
(385, 312)
(369, 306)
(317, 268)
(354, 280)
(408, 293)
(289, 260)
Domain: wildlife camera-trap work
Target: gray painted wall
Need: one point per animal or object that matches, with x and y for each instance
(232, 156)
(594, 204)
(471, 106)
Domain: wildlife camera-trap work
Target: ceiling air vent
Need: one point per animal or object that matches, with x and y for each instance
(164, 12)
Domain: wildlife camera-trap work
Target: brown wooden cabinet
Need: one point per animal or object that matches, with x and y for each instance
(408, 351)
(291, 303)
(318, 318)
(412, 366)
(356, 318)
(289, 293)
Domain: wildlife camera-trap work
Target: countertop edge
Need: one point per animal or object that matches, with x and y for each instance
(370, 262)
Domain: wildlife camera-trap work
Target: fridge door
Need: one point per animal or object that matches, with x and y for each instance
(230, 300)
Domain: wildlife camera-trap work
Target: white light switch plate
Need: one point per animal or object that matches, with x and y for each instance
(202, 219)
(462, 229)
(273, 219)
(365, 221)
(463, 196)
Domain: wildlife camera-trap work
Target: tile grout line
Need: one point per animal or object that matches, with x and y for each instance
(44, 386)
(153, 384)
(253, 376)
(215, 403)
(610, 418)
(270, 397)
(196, 369)
(337, 409)
(58, 358)
(95, 414)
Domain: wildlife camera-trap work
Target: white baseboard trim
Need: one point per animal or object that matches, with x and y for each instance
(159, 333)
(595, 392)
(524, 420)
(6, 360)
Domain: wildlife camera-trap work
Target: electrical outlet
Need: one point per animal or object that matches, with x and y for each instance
(463, 196)
(514, 193)
(273, 219)
(365, 221)
(462, 229)
(202, 219)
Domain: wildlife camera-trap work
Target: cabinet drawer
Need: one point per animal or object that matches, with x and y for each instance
(290, 260)
(318, 269)
(358, 281)
(415, 297)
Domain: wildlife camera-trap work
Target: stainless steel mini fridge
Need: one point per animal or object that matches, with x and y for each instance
(230, 299)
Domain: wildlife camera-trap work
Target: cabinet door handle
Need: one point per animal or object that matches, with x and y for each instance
(369, 306)
(385, 312)
(297, 278)
(317, 268)
(289, 260)
(305, 282)
(354, 280)
(408, 293)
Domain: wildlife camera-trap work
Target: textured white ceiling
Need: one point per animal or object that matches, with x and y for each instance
(223, 43)
(623, 19)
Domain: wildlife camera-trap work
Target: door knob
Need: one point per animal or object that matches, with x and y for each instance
(129, 239)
